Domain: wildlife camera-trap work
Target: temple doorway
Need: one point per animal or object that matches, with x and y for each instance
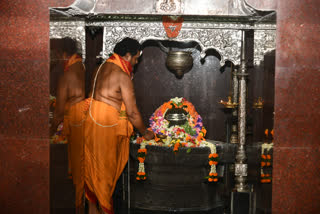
(208, 86)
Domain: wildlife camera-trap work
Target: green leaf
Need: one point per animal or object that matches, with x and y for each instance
(189, 150)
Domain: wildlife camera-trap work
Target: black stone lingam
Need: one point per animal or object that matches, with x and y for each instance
(176, 116)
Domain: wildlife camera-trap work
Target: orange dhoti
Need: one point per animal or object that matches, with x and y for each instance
(74, 119)
(107, 135)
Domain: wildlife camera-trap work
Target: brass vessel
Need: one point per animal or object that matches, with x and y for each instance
(179, 62)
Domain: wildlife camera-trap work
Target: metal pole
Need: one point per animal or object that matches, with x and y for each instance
(234, 126)
(241, 168)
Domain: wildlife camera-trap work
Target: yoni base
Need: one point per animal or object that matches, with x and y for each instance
(175, 183)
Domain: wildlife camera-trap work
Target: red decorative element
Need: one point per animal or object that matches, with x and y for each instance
(125, 65)
(172, 26)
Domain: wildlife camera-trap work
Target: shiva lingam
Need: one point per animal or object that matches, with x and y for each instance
(229, 103)
(175, 116)
(178, 62)
(259, 103)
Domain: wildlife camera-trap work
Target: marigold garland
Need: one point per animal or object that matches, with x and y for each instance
(266, 159)
(141, 174)
(142, 152)
(213, 161)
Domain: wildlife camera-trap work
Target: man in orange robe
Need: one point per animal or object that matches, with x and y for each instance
(108, 127)
(71, 108)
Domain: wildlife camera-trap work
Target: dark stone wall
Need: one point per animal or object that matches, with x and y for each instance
(204, 86)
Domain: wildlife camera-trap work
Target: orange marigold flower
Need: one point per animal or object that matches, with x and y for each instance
(204, 131)
(141, 160)
(210, 155)
(262, 175)
(210, 163)
(144, 178)
(156, 138)
(143, 150)
(213, 174)
(263, 180)
(266, 132)
(263, 163)
(139, 140)
(215, 179)
(268, 163)
(215, 155)
(268, 156)
(263, 157)
(210, 179)
(138, 178)
(215, 162)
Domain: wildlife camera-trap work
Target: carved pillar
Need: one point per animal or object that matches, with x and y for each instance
(241, 167)
(235, 87)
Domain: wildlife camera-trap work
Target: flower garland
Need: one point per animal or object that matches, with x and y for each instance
(213, 161)
(142, 152)
(59, 137)
(266, 159)
(193, 131)
(191, 134)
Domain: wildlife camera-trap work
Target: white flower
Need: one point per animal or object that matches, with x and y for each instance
(266, 146)
(176, 100)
